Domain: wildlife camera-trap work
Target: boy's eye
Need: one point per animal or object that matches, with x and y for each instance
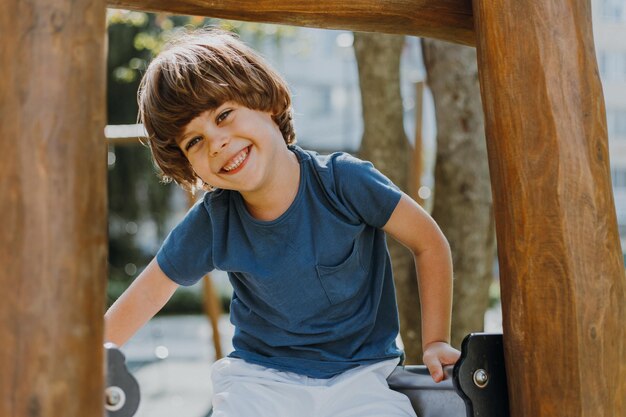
(222, 116)
(192, 142)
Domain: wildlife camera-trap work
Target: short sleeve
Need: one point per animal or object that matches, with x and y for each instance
(364, 190)
(186, 254)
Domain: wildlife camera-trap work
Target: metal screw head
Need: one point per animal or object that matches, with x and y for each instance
(481, 378)
(115, 398)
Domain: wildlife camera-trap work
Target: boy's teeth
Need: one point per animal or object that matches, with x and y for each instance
(235, 162)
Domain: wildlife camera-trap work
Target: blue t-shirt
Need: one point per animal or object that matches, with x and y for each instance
(313, 289)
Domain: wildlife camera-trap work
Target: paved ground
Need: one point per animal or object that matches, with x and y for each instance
(171, 357)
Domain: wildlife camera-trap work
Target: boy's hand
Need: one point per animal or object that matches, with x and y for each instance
(436, 356)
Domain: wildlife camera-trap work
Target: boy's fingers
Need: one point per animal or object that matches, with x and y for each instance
(435, 369)
(438, 355)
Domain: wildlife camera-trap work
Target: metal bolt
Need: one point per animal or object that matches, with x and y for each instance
(481, 378)
(115, 398)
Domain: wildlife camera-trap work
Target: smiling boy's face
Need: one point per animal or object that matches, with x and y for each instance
(233, 147)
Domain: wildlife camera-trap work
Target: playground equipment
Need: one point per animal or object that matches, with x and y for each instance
(474, 387)
(561, 266)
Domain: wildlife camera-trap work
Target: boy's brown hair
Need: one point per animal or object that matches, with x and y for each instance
(200, 71)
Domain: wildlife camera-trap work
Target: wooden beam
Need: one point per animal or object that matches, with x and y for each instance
(449, 20)
(53, 225)
(125, 134)
(562, 273)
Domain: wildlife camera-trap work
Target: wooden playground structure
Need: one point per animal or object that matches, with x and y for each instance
(561, 266)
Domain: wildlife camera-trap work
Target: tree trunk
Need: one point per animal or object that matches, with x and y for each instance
(385, 144)
(463, 205)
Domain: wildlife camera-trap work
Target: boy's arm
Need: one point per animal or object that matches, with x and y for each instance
(414, 228)
(138, 304)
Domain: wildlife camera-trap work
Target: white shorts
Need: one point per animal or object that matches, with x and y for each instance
(242, 389)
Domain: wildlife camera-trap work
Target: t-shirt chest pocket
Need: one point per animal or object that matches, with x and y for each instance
(295, 294)
(345, 280)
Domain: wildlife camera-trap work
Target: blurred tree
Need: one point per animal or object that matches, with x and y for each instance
(386, 145)
(463, 205)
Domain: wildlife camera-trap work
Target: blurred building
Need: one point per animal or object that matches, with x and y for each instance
(321, 70)
(609, 24)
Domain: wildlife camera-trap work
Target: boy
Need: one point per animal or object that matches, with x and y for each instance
(302, 237)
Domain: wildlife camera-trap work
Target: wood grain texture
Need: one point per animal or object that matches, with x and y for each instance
(449, 20)
(53, 227)
(562, 274)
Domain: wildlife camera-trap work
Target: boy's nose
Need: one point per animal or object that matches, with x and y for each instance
(217, 146)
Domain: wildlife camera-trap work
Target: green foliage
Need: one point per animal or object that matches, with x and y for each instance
(151, 31)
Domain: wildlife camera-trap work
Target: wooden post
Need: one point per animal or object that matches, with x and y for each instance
(213, 310)
(53, 226)
(562, 274)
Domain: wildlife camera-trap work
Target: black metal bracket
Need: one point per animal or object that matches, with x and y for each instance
(474, 387)
(480, 376)
(122, 391)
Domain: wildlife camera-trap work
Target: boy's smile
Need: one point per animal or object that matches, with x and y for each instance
(237, 162)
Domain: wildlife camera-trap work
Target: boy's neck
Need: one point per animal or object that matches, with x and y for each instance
(274, 200)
